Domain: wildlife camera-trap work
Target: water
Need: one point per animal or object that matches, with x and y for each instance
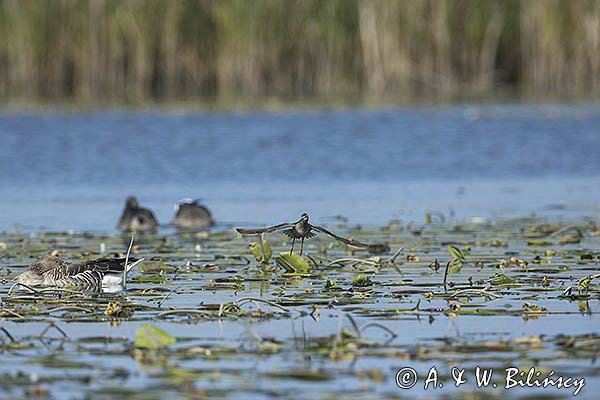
(73, 170)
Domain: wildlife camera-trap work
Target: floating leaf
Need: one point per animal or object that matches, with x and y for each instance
(361, 281)
(456, 253)
(583, 284)
(330, 284)
(455, 266)
(155, 266)
(150, 337)
(292, 263)
(263, 252)
(501, 279)
(538, 242)
(346, 334)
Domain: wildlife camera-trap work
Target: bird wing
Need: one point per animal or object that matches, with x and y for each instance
(264, 230)
(102, 265)
(349, 242)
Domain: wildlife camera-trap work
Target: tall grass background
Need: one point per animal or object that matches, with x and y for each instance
(220, 51)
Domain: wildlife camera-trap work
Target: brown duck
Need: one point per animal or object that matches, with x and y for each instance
(136, 218)
(92, 275)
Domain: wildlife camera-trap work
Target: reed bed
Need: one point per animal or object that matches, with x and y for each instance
(136, 51)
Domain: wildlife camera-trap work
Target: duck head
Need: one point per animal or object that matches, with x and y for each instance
(34, 275)
(131, 202)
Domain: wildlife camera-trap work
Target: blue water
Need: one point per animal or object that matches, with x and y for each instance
(72, 170)
(63, 171)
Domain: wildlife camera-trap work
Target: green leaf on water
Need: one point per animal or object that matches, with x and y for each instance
(583, 284)
(261, 253)
(502, 279)
(155, 266)
(427, 218)
(456, 253)
(292, 263)
(346, 334)
(150, 337)
(330, 284)
(455, 266)
(538, 242)
(361, 281)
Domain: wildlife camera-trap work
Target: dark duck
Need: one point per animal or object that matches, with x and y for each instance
(191, 214)
(136, 218)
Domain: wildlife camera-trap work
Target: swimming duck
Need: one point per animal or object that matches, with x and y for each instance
(93, 275)
(191, 214)
(136, 218)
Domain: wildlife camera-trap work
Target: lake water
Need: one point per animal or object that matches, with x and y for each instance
(63, 170)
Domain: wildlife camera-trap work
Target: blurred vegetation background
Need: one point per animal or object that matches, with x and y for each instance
(223, 51)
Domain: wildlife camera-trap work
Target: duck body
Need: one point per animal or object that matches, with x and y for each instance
(92, 275)
(192, 214)
(136, 218)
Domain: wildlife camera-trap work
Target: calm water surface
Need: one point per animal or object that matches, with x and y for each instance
(73, 170)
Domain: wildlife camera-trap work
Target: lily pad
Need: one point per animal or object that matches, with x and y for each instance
(262, 251)
(293, 263)
(150, 337)
(362, 281)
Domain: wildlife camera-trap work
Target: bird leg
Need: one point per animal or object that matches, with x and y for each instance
(301, 246)
(292, 249)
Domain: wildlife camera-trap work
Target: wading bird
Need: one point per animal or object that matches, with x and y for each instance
(93, 275)
(301, 229)
(191, 214)
(136, 218)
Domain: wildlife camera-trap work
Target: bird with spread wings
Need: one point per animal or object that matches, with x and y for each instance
(300, 229)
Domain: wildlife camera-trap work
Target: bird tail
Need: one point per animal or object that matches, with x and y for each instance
(135, 262)
(115, 265)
